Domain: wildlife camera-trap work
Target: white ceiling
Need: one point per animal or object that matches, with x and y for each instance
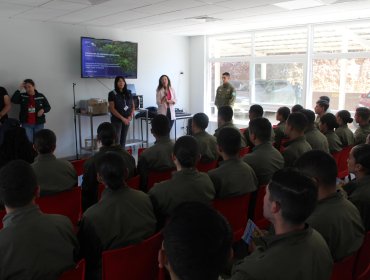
(177, 16)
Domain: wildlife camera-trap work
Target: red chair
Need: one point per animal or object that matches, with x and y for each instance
(343, 269)
(129, 150)
(77, 273)
(342, 162)
(282, 144)
(363, 257)
(235, 210)
(258, 217)
(365, 275)
(243, 130)
(78, 164)
(158, 176)
(135, 262)
(244, 151)
(140, 151)
(66, 203)
(205, 167)
(134, 182)
(101, 188)
(2, 214)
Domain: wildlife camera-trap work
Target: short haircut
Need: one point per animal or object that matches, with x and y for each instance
(230, 140)
(284, 112)
(257, 110)
(319, 165)
(330, 120)
(45, 141)
(226, 113)
(310, 115)
(106, 134)
(160, 125)
(361, 153)
(18, 184)
(323, 103)
(186, 150)
(201, 120)
(297, 121)
(226, 74)
(29, 81)
(325, 98)
(295, 192)
(345, 116)
(261, 128)
(112, 169)
(296, 108)
(197, 241)
(363, 113)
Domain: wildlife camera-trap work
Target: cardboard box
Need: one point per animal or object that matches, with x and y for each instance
(96, 106)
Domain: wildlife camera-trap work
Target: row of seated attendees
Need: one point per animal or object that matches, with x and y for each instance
(124, 216)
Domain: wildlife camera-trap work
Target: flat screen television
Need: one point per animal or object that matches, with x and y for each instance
(102, 58)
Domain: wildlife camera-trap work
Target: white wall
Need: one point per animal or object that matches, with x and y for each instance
(50, 55)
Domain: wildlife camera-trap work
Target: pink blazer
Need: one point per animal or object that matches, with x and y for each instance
(162, 106)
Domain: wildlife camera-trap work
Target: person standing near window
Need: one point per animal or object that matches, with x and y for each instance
(34, 105)
(166, 99)
(121, 106)
(225, 94)
(4, 105)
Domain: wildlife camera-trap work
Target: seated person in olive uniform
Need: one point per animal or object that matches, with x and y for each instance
(90, 185)
(207, 143)
(193, 224)
(159, 156)
(358, 190)
(313, 135)
(225, 94)
(344, 133)
(233, 177)
(53, 175)
(33, 245)
(264, 158)
(328, 123)
(187, 184)
(295, 251)
(334, 217)
(122, 217)
(225, 119)
(296, 108)
(282, 115)
(362, 117)
(321, 109)
(297, 144)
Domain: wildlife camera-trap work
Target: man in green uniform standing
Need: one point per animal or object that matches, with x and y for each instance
(362, 117)
(225, 94)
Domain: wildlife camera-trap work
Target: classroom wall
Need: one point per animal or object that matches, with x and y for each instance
(50, 55)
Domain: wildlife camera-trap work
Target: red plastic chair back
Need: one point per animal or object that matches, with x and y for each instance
(135, 262)
(134, 182)
(243, 130)
(342, 162)
(140, 151)
(363, 257)
(129, 150)
(244, 151)
(365, 275)
(2, 214)
(343, 269)
(158, 176)
(205, 167)
(282, 144)
(77, 273)
(78, 164)
(235, 210)
(66, 203)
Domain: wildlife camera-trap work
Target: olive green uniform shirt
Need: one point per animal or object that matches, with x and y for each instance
(230, 124)
(294, 149)
(207, 146)
(339, 222)
(361, 133)
(345, 135)
(233, 178)
(54, 175)
(298, 255)
(265, 161)
(316, 139)
(335, 145)
(34, 245)
(121, 218)
(225, 95)
(185, 185)
(279, 132)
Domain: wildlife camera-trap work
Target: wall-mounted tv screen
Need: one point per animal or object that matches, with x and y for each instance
(102, 58)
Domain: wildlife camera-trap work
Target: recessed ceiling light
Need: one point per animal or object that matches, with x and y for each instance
(203, 19)
(299, 4)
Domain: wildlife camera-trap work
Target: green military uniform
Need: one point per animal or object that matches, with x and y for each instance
(335, 145)
(230, 124)
(316, 139)
(294, 149)
(34, 245)
(279, 132)
(359, 195)
(317, 121)
(339, 222)
(265, 161)
(233, 178)
(122, 217)
(249, 142)
(185, 185)
(361, 133)
(301, 255)
(225, 95)
(90, 183)
(345, 135)
(207, 146)
(54, 175)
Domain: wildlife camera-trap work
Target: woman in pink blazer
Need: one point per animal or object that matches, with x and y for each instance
(166, 99)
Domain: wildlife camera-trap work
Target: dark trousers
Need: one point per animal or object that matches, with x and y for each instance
(121, 132)
(169, 118)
